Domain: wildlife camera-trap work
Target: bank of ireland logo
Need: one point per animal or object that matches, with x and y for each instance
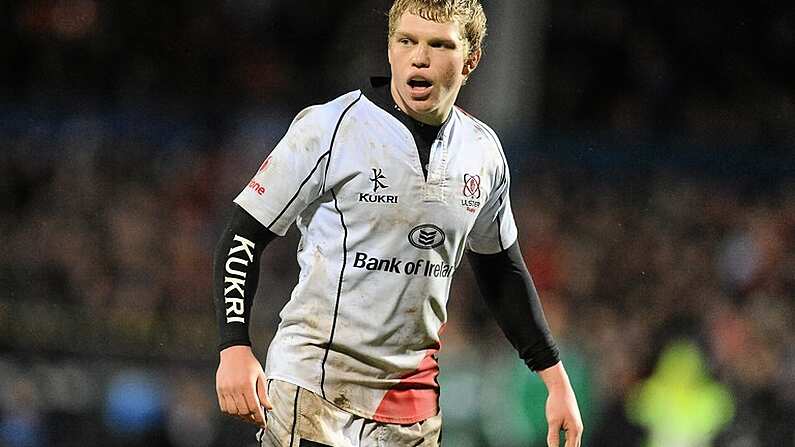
(472, 186)
(426, 236)
(376, 179)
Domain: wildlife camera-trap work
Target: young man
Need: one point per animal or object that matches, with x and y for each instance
(389, 186)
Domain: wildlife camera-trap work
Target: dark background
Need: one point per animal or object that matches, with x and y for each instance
(652, 148)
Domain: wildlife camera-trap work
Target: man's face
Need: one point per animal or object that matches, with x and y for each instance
(429, 64)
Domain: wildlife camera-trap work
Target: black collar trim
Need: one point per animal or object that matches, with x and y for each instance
(377, 90)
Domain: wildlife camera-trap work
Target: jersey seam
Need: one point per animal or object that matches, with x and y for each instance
(497, 145)
(333, 137)
(317, 164)
(499, 227)
(344, 251)
(295, 196)
(339, 293)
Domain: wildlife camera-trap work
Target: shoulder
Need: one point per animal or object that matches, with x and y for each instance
(314, 126)
(482, 133)
(324, 117)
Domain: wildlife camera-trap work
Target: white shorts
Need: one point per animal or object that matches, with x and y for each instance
(301, 418)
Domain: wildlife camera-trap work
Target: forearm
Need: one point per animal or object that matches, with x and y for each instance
(235, 276)
(511, 296)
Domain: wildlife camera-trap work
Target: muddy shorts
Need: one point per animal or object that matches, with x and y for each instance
(301, 418)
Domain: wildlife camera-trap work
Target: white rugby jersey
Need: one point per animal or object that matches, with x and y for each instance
(379, 245)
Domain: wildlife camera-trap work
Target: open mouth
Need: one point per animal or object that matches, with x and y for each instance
(420, 87)
(419, 83)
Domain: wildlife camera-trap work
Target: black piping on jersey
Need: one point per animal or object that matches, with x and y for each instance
(502, 182)
(499, 227)
(333, 136)
(339, 292)
(311, 173)
(295, 415)
(344, 249)
(502, 179)
(299, 189)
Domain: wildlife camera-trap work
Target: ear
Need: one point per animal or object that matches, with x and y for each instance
(471, 63)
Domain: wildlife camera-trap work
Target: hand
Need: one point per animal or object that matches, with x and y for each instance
(562, 410)
(240, 385)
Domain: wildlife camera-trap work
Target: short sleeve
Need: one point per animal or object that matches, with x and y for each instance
(494, 229)
(292, 176)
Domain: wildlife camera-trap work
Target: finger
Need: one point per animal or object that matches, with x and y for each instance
(227, 405)
(221, 402)
(254, 408)
(220, 395)
(240, 404)
(576, 437)
(573, 437)
(259, 416)
(553, 437)
(262, 392)
(240, 412)
(249, 419)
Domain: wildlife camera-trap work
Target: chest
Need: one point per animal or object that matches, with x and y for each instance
(379, 179)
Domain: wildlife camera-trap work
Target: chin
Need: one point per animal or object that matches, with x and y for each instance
(423, 111)
(423, 105)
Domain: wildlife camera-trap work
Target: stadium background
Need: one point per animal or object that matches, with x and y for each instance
(652, 148)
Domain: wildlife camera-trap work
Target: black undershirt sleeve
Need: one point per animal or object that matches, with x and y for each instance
(235, 276)
(511, 296)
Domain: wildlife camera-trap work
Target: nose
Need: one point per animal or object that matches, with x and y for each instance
(420, 57)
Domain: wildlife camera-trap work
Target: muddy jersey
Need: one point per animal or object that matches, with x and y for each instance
(379, 245)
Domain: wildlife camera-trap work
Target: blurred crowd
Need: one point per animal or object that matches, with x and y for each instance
(655, 202)
(713, 74)
(703, 73)
(106, 322)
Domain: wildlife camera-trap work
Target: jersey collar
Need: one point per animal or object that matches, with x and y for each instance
(377, 90)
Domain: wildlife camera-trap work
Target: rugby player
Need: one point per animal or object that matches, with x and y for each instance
(390, 185)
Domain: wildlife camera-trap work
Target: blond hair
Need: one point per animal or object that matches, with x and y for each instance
(467, 13)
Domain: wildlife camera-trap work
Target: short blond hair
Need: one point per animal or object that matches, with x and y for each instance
(468, 13)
